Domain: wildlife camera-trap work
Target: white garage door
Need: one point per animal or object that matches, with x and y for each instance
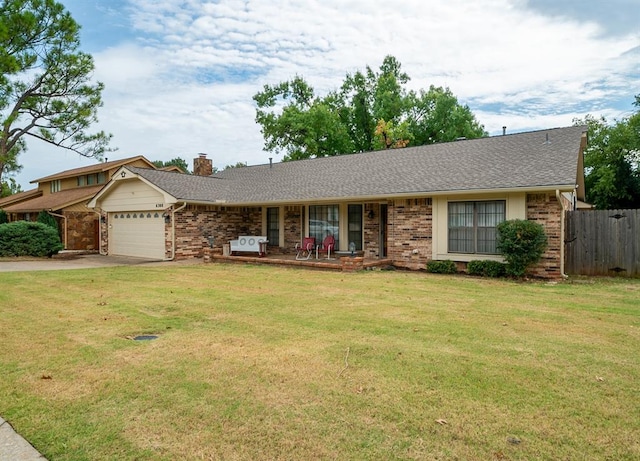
(137, 233)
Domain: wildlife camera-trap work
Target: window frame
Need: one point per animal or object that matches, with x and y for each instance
(471, 234)
(355, 224)
(273, 225)
(328, 218)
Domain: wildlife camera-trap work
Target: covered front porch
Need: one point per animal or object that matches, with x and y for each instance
(384, 232)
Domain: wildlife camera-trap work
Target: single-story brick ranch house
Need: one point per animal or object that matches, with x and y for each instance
(409, 205)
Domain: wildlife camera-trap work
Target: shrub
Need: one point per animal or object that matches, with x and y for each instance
(46, 218)
(442, 267)
(487, 268)
(522, 244)
(24, 238)
(3, 217)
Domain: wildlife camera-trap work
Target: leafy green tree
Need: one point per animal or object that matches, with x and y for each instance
(372, 105)
(45, 88)
(612, 161)
(389, 136)
(179, 162)
(237, 165)
(437, 116)
(308, 126)
(9, 187)
(371, 110)
(3, 217)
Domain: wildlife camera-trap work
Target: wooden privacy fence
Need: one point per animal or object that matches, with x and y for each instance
(603, 242)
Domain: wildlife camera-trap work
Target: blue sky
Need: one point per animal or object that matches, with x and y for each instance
(179, 75)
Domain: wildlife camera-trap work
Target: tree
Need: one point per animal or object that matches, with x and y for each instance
(612, 161)
(179, 162)
(437, 116)
(46, 218)
(45, 88)
(389, 136)
(373, 104)
(371, 110)
(237, 165)
(307, 126)
(10, 186)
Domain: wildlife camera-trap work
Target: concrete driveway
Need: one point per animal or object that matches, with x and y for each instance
(80, 261)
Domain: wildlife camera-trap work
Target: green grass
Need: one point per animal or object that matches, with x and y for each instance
(258, 362)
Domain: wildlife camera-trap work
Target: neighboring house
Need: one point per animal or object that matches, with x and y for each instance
(409, 205)
(64, 195)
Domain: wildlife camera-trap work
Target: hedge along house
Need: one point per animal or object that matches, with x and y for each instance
(64, 195)
(409, 205)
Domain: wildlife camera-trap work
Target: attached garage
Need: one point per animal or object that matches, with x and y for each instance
(137, 233)
(133, 217)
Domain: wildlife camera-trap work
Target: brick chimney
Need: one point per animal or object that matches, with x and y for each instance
(202, 166)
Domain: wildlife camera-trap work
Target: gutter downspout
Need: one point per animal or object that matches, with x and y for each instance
(559, 198)
(65, 225)
(173, 231)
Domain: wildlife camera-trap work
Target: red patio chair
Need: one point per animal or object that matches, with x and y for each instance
(328, 245)
(305, 249)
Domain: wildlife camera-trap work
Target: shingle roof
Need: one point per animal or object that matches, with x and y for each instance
(19, 197)
(95, 168)
(544, 159)
(55, 201)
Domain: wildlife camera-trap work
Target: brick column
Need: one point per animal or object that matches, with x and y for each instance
(545, 209)
(350, 264)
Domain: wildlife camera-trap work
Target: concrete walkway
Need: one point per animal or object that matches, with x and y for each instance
(13, 447)
(65, 261)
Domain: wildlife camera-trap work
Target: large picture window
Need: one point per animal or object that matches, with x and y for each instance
(324, 220)
(472, 226)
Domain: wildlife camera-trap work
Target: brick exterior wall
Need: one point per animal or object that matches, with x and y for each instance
(104, 235)
(544, 209)
(195, 224)
(409, 235)
(371, 231)
(292, 229)
(81, 230)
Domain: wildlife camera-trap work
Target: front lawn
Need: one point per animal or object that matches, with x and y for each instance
(256, 362)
